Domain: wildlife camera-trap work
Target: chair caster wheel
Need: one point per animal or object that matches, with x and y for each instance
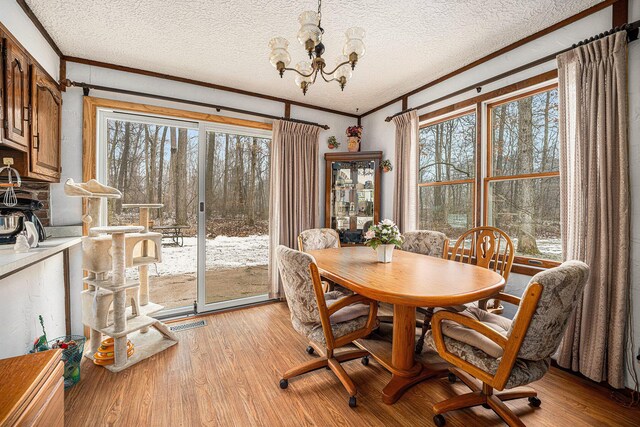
(365, 360)
(535, 402)
(352, 401)
(310, 350)
(284, 384)
(439, 420)
(452, 377)
(485, 406)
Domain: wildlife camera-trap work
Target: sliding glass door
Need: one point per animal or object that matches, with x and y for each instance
(234, 217)
(155, 160)
(213, 183)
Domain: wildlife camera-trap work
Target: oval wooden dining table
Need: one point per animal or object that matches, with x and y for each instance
(410, 281)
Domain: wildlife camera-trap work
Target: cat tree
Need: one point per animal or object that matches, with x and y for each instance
(113, 249)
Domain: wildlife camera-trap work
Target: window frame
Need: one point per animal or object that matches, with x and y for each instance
(477, 155)
(482, 107)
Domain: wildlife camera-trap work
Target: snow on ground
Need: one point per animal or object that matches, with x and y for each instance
(222, 252)
(549, 248)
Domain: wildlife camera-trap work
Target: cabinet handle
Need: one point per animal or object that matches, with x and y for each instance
(36, 142)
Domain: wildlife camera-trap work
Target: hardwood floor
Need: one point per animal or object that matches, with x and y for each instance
(227, 373)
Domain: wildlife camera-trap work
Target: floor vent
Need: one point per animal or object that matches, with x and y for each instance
(188, 325)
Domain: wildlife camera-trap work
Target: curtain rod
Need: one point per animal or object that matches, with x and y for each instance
(86, 87)
(632, 35)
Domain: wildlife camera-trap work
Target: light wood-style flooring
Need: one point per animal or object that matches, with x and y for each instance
(227, 373)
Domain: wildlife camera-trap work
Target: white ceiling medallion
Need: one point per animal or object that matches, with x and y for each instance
(310, 36)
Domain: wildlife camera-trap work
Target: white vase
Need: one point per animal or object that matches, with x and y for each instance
(385, 252)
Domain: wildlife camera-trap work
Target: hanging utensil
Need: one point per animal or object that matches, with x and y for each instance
(13, 180)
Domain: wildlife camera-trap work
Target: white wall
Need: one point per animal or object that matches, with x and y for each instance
(38, 289)
(380, 134)
(18, 24)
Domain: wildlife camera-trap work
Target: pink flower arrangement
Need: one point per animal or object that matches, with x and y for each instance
(354, 131)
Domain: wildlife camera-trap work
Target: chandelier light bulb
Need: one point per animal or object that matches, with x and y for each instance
(303, 67)
(279, 53)
(309, 35)
(344, 70)
(354, 43)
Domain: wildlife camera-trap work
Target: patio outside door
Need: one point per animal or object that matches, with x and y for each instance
(233, 221)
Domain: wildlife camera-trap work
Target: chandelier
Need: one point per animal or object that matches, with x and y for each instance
(310, 36)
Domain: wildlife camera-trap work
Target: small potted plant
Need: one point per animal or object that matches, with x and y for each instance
(333, 143)
(354, 133)
(383, 238)
(385, 165)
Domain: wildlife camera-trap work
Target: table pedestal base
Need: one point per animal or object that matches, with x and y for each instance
(399, 384)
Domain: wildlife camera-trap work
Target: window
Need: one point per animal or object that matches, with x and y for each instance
(521, 191)
(523, 179)
(446, 176)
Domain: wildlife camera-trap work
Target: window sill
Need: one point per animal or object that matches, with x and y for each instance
(530, 270)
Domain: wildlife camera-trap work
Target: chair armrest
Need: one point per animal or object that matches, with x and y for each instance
(511, 299)
(346, 301)
(438, 338)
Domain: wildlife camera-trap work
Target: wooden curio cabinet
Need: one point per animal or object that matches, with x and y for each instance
(352, 193)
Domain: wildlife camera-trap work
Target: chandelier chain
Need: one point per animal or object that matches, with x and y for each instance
(320, 14)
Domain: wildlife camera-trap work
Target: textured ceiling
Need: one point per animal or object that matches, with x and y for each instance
(409, 42)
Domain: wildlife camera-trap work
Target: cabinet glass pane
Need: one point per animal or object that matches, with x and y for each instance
(352, 198)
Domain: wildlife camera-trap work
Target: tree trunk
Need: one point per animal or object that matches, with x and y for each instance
(251, 206)
(225, 181)
(159, 192)
(180, 177)
(124, 164)
(209, 175)
(239, 184)
(153, 166)
(527, 232)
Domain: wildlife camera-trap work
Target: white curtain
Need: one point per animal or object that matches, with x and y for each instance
(405, 198)
(293, 189)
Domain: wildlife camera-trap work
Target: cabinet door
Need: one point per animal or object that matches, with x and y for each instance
(46, 109)
(2, 88)
(17, 114)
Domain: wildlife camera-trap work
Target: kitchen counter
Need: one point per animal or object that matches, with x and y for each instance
(12, 262)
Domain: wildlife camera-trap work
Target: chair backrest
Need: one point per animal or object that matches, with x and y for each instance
(562, 288)
(298, 284)
(425, 242)
(318, 238)
(487, 247)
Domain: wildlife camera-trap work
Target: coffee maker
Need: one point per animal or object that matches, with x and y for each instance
(12, 219)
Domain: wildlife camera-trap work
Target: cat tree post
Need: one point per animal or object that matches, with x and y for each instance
(119, 287)
(144, 222)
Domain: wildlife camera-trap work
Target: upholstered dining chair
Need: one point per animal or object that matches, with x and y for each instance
(320, 238)
(505, 354)
(329, 320)
(424, 242)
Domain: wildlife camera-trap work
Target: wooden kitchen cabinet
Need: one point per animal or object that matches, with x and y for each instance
(46, 108)
(16, 93)
(30, 113)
